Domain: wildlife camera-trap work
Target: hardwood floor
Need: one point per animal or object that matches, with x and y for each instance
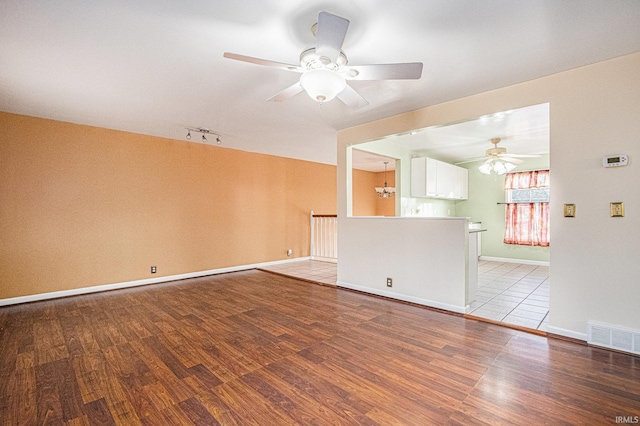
(256, 348)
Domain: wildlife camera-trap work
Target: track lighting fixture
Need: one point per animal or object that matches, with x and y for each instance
(204, 132)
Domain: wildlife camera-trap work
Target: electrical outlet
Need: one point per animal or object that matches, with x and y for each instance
(389, 282)
(289, 252)
(153, 269)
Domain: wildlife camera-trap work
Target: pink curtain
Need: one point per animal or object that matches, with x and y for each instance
(526, 180)
(527, 223)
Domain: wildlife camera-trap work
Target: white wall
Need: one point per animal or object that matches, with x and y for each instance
(594, 111)
(425, 257)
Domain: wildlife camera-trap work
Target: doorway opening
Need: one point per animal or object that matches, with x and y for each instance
(513, 280)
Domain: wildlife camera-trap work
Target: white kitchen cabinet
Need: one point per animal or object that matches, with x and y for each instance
(460, 183)
(445, 176)
(432, 177)
(437, 179)
(423, 177)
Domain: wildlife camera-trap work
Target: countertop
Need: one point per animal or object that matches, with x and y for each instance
(473, 231)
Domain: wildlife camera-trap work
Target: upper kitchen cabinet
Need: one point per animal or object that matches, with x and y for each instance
(424, 177)
(460, 179)
(437, 179)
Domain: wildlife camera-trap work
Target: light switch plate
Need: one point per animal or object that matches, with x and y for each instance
(569, 210)
(617, 209)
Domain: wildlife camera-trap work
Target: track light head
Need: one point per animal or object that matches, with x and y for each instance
(204, 132)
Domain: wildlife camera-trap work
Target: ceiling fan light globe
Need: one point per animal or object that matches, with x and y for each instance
(485, 168)
(322, 85)
(499, 168)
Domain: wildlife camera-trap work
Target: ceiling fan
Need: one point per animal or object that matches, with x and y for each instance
(325, 68)
(497, 159)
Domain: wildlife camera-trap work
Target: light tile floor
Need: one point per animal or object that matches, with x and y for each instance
(512, 293)
(310, 270)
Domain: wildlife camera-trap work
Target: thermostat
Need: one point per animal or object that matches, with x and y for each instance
(615, 160)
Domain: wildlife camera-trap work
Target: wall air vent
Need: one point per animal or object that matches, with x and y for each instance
(614, 337)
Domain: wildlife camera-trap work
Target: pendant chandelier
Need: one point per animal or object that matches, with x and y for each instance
(385, 191)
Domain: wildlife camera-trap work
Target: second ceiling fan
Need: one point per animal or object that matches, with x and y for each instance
(497, 159)
(325, 68)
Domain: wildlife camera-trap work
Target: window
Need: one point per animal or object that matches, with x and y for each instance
(527, 212)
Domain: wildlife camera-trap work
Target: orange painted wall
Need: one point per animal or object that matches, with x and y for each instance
(365, 199)
(82, 206)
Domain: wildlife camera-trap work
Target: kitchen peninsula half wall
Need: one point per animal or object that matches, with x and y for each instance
(426, 259)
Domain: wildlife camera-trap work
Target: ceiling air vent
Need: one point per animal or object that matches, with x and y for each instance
(614, 337)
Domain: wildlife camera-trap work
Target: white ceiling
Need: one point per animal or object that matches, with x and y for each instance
(521, 131)
(155, 67)
(371, 161)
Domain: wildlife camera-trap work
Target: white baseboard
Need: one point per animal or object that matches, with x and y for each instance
(567, 333)
(136, 283)
(509, 260)
(324, 259)
(405, 298)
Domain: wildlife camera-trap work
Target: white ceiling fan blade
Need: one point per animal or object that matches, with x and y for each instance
(330, 35)
(407, 71)
(351, 98)
(265, 62)
(473, 160)
(521, 155)
(287, 93)
(511, 160)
